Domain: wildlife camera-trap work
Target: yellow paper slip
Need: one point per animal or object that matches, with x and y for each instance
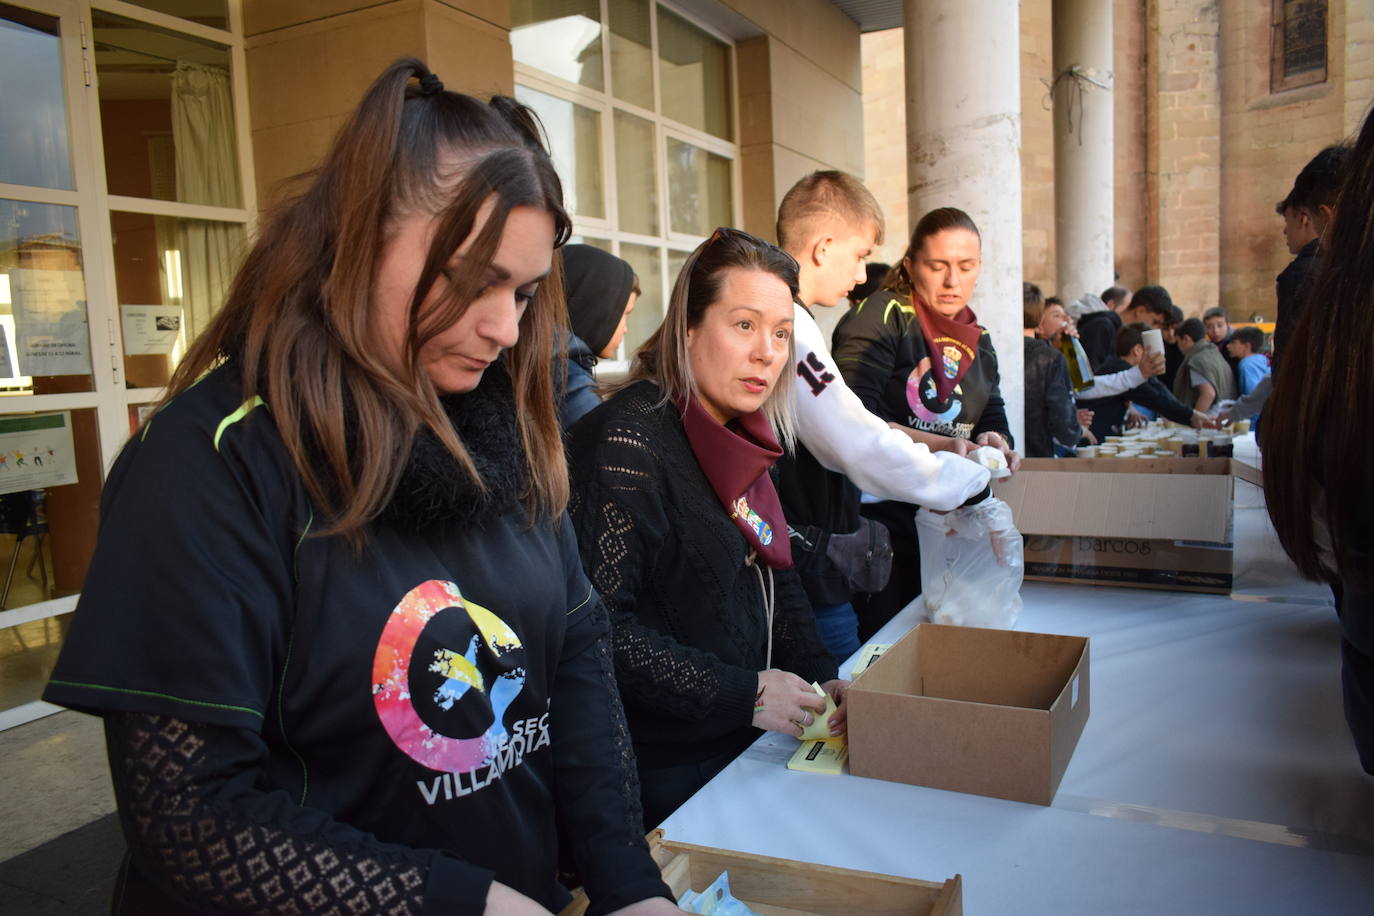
(826, 757)
(819, 729)
(868, 655)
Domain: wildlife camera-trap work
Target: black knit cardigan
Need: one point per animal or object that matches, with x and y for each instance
(687, 613)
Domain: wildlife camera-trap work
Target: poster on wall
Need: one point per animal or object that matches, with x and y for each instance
(150, 329)
(50, 322)
(36, 451)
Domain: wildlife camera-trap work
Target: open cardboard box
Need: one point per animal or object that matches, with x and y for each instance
(783, 887)
(991, 712)
(1153, 523)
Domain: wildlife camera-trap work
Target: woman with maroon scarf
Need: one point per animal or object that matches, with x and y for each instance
(681, 531)
(916, 356)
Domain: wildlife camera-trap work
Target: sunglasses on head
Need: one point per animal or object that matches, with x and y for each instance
(737, 235)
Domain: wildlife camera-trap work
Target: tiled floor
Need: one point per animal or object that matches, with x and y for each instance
(55, 780)
(27, 655)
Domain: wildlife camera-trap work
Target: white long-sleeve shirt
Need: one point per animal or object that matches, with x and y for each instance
(845, 437)
(1106, 386)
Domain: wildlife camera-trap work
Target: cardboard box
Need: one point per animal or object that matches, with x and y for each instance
(783, 886)
(991, 712)
(1152, 523)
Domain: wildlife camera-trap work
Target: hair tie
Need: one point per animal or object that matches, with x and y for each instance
(430, 84)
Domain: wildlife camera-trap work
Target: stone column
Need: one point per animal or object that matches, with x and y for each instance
(1083, 160)
(963, 78)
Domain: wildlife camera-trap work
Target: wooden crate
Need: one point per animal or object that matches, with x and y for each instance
(782, 887)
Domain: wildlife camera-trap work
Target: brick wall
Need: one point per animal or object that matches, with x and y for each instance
(1267, 138)
(1130, 142)
(1184, 150)
(1359, 61)
(1203, 149)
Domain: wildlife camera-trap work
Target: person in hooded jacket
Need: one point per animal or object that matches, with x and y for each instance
(602, 290)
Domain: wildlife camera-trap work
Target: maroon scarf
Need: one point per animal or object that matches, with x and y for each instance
(952, 344)
(736, 462)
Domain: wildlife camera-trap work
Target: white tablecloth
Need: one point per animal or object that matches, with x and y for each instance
(1215, 774)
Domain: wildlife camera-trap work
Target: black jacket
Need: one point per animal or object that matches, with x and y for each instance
(687, 615)
(419, 712)
(1173, 358)
(880, 350)
(1109, 413)
(1051, 414)
(1097, 334)
(818, 503)
(1293, 284)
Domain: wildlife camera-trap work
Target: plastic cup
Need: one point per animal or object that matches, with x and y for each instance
(1153, 340)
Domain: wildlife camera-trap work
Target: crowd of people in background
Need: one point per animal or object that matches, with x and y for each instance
(1213, 373)
(1305, 386)
(391, 448)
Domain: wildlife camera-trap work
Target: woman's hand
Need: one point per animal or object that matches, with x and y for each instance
(839, 692)
(785, 703)
(654, 906)
(1200, 420)
(503, 900)
(997, 442)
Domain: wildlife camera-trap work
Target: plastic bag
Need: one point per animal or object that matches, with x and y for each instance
(716, 900)
(972, 563)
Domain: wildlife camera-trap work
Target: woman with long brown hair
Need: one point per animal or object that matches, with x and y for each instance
(916, 356)
(1318, 481)
(682, 532)
(335, 621)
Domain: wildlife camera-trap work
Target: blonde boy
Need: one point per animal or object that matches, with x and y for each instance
(830, 223)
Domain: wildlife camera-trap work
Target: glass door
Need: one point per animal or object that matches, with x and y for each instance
(50, 441)
(116, 243)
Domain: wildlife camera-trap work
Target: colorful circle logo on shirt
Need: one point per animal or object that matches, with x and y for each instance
(487, 644)
(922, 399)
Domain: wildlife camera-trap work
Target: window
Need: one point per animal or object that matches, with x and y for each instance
(1298, 44)
(123, 211)
(638, 104)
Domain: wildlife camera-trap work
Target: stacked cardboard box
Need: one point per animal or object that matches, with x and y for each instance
(1127, 521)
